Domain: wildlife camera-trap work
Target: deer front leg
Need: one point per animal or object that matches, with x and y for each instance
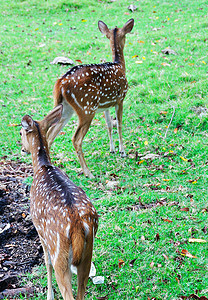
(119, 113)
(77, 142)
(110, 127)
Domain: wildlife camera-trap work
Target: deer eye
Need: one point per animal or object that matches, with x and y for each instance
(20, 133)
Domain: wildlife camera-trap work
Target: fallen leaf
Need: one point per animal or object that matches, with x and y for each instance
(141, 161)
(185, 252)
(163, 112)
(184, 159)
(167, 179)
(166, 220)
(79, 61)
(13, 125)
(149, 155)
(184, 209)
(120, 263)
(134, 56)
(146, 143)
(83, 20)
(112, 184)
(168, 51)
(165, 256)
(165, 64)
(139, 62)
(193, 240)
(175, 130)
(141, 42)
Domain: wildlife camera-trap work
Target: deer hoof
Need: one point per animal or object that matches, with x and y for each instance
(122, 154)
(112, 152)
(89, 175)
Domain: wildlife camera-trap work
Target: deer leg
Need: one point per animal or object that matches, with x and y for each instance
(77, 142)
(119, 112)
(110, 127)
(63, 278)
(49, 267)
(54, 130)
(83, 271)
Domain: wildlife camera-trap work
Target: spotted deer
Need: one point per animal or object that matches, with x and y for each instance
(64, 217)
(87, 89)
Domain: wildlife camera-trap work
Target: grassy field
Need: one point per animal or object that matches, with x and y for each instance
(153, 204)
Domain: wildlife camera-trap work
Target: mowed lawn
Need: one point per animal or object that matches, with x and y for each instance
(152, 238)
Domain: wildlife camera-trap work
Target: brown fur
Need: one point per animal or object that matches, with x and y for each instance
(87, 89)
(65, 219)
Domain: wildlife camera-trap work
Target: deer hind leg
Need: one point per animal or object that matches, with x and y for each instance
(110, 127)
(49, 267)
(83, 271)
(66, 116)
(77, 142)
(119, 113)
(63, 278)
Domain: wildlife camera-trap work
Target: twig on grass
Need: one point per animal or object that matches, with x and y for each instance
(170, 122)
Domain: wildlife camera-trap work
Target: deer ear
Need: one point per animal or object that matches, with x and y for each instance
(53, 117)
(128, 26)
(27, 123)
(103, 27)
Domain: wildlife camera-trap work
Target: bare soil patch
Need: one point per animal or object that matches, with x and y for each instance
(20, 248)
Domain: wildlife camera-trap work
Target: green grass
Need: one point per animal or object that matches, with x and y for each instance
(32, 35)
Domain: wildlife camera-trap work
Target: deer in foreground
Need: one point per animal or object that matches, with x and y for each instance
(87, 89)
(63, 216)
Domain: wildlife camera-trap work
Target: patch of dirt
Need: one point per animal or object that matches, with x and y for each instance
(20, 248)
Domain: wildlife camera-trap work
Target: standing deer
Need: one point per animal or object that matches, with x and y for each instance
(65, 219)
(87, 89)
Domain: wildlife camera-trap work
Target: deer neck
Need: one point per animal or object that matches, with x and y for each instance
(117, 50)
(39, 150)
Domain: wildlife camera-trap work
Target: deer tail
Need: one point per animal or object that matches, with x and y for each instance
(57, 93)
(77, 241)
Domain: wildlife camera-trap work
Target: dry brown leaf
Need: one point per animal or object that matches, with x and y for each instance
(193, 240)
(166, 220)
(184, 209)
(120, 263)
(163, 112)
(185, 252)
